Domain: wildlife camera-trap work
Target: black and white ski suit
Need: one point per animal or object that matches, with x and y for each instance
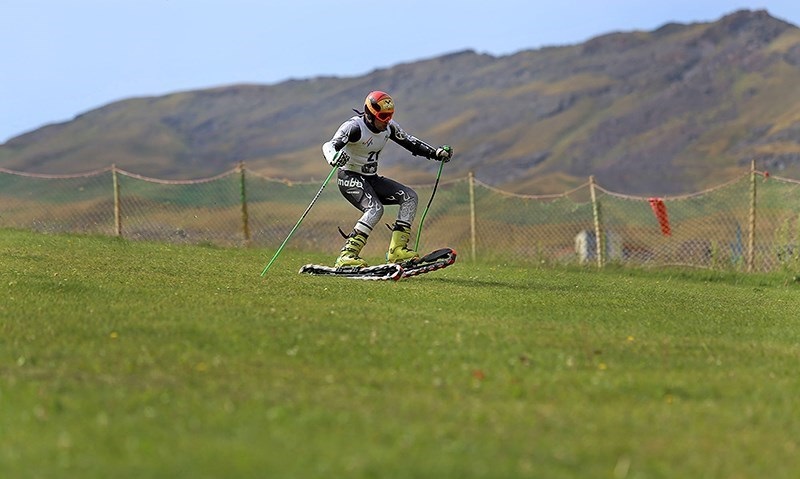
(358, 179)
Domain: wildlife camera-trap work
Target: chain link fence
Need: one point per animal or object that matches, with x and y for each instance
(749, 224)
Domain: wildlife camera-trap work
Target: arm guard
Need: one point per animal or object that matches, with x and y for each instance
(348, 132)
(411, 143)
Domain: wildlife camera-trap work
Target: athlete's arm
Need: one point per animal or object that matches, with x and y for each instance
(411, 143)
(348, 132)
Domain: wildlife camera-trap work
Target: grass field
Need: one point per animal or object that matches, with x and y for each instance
(140, 360)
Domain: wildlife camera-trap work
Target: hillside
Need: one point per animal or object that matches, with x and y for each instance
(662, 112)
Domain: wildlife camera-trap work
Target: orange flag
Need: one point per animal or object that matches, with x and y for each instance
(660, 210)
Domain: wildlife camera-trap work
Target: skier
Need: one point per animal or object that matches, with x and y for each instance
(354, 149)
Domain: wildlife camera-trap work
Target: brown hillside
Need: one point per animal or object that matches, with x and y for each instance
(662, 112)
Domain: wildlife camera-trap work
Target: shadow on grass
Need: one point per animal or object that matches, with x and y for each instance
(496, 283)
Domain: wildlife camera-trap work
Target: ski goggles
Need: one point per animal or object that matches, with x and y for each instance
(384, 115)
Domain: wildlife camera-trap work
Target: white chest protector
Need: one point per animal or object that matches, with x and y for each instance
(364, 153)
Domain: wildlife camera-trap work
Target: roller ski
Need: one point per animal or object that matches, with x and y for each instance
(410, 260)
(401, 261)
(381, 272)
(433, 261)
(350, 265)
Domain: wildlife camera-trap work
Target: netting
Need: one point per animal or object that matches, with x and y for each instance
(777, 229)
(697, 229)
(199, 211)
(538, 229)
(58, 203)
(749, 224)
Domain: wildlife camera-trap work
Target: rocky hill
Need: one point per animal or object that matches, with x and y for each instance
(662, 112)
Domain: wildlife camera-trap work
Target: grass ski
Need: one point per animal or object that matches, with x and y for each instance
(380, 272)
(433, 261)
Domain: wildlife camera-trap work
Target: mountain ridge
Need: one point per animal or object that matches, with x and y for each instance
(662, 112)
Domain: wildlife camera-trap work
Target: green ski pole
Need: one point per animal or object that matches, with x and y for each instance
(280, 248)
(425, 211)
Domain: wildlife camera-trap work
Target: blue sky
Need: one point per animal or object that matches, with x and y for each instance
(61, 58)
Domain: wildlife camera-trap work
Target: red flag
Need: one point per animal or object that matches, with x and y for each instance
(660, 210)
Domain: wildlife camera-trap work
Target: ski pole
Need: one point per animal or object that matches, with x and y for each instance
(425, 211)
(280, 248)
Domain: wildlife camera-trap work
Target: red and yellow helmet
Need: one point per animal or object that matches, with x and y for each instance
(380, 105)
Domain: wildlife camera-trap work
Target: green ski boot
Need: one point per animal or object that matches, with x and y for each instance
(350, 251)
(398, 248)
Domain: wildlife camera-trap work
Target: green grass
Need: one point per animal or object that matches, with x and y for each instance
(141, 360)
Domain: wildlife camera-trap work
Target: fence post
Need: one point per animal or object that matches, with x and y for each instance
(117, 208)
(599, 240)
(245, 217)
(751, 236)
(471, 179)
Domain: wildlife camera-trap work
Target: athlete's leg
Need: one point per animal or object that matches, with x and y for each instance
(360, 194)
(391, 192)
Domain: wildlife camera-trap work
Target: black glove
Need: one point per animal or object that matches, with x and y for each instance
(340, 158)
(444, 153)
